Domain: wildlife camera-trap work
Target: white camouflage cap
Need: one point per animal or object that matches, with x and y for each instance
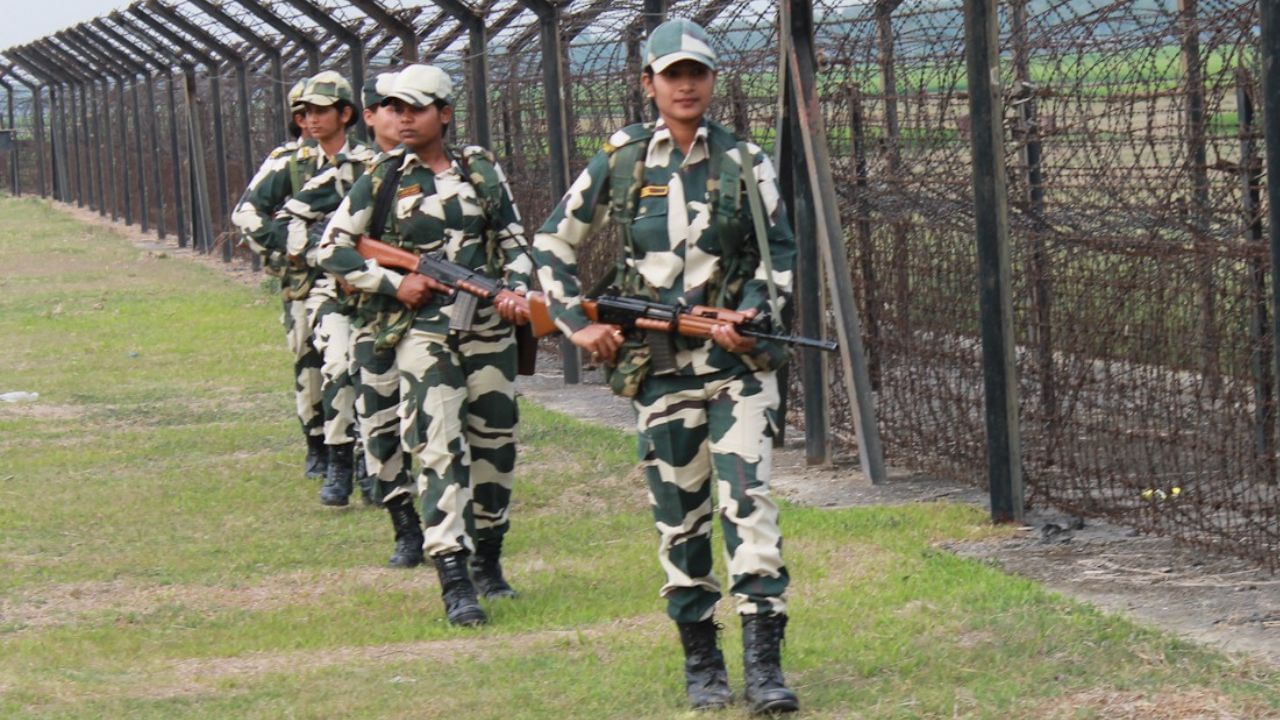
(676, 40)
(327, 88)
(422, 85)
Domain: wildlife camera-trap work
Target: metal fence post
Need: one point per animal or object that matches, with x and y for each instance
(153, 115)
(1197, 167)
(1251, 209)
(553, 83)
(801, 64)
(866, 244)
(478, 69)
(1040, 271)
(13, 130)
(1270, 51)
(809, 310)
(1004, 451)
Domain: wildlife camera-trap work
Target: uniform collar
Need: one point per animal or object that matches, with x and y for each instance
(662, 146)
(411, 161)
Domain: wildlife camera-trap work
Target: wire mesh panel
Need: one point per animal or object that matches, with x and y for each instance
(1134, 159)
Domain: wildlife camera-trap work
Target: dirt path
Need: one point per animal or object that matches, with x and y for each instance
(1223, 602)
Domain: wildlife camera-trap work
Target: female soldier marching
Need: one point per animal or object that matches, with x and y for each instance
(678, 191)
(457, 386)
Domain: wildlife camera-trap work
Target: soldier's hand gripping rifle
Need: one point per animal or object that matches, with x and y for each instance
(624, 312)
(447, 278)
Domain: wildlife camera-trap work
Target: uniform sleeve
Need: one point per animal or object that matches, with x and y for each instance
(516, 262)
(781, 242)
(319, 197)
(582, 211)
(254, 215)
(337, 253)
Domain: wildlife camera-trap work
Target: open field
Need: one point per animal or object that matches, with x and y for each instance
(163, 557)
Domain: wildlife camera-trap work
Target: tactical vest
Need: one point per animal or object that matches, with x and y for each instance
(626, 180)
(387, 317)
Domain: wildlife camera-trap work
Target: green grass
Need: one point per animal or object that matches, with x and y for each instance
(164, 558)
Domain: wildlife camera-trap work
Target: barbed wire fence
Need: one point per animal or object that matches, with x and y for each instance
(1137, 223)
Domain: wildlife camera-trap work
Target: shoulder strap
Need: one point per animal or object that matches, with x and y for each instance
(747, 162)
(480, 170)
(626, 175)
(296, 181)
(384, 195)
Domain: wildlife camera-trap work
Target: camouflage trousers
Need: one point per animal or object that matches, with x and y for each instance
(458, 419)
(378, 411)
(691, 428)
(331, 335)
(306, 367)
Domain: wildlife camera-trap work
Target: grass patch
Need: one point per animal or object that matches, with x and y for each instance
(164, 557)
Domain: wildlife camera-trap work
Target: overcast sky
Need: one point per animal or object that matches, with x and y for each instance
(26, 20)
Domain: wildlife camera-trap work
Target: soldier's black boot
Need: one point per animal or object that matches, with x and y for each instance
(408, 527)
(766, 692)
(460, 603)
(486, 570)
(706, 681)
(336, 491)
(317, 457)
(368, 484)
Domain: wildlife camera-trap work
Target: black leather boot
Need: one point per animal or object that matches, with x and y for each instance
(368, 484)
(408, 527)
(766, 692)
(336, 491)
(706, 681)
(486, 570)
(317, 457)
(460, 603)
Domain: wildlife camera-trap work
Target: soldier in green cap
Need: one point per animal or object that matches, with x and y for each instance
(330, 110)
(263, 232)
(457, 361)
(681, 192)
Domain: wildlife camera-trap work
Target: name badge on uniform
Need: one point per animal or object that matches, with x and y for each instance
(653, 191)
(414, 189)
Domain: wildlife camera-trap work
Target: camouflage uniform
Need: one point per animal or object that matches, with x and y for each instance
(716, 412)
(458, 414)
(378, 378)
(258, 217)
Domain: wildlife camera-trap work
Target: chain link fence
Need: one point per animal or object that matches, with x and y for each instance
(1133, 133)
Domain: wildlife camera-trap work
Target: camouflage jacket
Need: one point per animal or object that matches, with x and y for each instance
(431, 211)
(322, 195)
(285, 171)
(676, 255)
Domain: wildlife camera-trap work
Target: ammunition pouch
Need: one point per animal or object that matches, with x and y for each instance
(767, 356)
(631, 367)
(297, 283)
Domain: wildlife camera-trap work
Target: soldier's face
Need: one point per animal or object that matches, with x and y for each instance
(682, 91)
(324, 122)
(384, 122)
(421, 127)
(300, 119)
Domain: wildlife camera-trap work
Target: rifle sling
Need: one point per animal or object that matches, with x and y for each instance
(382, 201)
(757, 217)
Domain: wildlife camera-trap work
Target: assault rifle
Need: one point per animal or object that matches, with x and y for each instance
(447, 278)
(625, 312)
